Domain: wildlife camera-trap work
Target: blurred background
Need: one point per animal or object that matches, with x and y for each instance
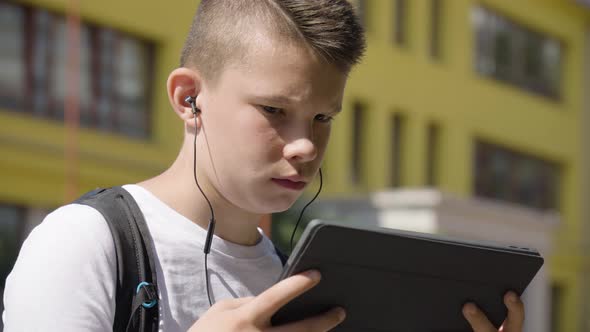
(468, 118)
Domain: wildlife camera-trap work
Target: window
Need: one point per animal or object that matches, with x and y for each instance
(58, 67)
(400, 22)
(515, 54)
(130, 87)
(358, 115)
(40, 50)
(397, 143)
(507, 175)
(12, 36)
(556, 305)
(11, 235)
(115, 71)
(436, 27)
(86, 88)
(432, 154)
(361, 7)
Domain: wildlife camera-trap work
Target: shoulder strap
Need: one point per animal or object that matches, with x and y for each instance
(136, 274)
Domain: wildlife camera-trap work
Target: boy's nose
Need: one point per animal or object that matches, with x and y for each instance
(300, 150)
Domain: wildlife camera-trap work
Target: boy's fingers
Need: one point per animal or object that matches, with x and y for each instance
(479, 322)
(515, 319)
(233, 303)
(323, 322)
(267, 303)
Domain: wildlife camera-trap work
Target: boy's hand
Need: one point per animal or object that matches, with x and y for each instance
(513, 322)
(253, 314)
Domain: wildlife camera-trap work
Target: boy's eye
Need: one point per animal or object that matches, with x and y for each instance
(271, 110)
(324, 118)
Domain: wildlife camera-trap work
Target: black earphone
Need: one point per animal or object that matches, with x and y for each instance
(191, 101)
(211, 227)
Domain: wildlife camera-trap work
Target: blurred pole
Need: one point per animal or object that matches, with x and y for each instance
(72, 102)
(265, 225)
(585, 188)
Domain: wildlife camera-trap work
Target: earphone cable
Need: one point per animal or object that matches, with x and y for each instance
(305, 207)
(210, 208)
(195, 172)
(207, 282)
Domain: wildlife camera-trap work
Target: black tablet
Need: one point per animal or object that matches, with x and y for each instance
(390, 280)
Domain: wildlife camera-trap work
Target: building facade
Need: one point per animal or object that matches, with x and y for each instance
(482, 99)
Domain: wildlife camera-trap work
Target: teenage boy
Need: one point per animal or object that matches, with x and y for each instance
(265, 79)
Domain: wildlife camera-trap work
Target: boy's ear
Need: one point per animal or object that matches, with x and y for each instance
(184, 82)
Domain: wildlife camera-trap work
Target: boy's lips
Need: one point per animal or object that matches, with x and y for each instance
(292, 182)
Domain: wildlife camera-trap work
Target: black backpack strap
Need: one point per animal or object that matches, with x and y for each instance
(281, 255)
(136, 274)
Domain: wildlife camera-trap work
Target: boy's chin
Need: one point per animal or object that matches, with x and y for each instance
(278, 205)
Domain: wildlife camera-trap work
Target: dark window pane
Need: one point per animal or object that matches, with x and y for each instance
(435, 27)
(533, 56)
(397, 144)
(551, 54)
(557, 294)
(432, 154)
(40, 57)
(87, 118)
(58, 68)
(12, 50)
(503, 52)
(484, 35)
(511, 52)
(511, 176)
(11, 222)
(131, 86)
(11, 236)
(357, 142)
(400, 22)
(361, 7)
(106, 78)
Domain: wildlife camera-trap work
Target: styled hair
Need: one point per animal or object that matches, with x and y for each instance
(223, 31)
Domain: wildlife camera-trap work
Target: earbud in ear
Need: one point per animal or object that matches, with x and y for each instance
(191, 101)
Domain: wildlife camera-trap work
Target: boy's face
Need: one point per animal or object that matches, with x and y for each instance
(268, 118)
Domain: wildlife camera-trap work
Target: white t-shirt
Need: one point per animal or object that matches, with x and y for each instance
(64, 277)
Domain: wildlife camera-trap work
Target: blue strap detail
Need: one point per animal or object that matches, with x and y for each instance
(150, 304)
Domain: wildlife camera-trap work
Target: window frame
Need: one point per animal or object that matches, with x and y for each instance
(548, 171)
(486, 48)
(39, 74)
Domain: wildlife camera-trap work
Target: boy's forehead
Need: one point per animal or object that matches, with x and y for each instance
(286, 72)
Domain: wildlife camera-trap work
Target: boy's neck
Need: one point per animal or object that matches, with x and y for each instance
(176, 188)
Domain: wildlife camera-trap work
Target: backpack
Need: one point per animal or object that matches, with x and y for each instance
(137, 288)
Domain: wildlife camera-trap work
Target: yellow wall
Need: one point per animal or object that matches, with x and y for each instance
(468, 106)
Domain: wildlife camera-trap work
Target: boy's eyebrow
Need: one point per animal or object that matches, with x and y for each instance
(277, 99)
(284, 100)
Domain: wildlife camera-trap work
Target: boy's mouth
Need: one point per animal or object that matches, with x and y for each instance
(294, 185)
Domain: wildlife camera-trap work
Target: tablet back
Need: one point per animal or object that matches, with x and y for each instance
(391, 280)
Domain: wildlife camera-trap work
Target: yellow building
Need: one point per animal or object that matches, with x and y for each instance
(478, 98)
(445, 98)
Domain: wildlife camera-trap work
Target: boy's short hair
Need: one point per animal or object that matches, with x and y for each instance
(223, 30)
